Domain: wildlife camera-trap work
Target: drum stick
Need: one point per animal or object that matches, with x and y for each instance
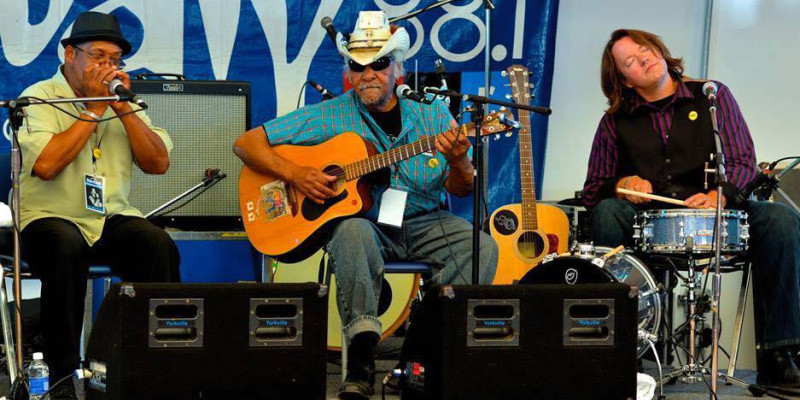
(651, 196)
(612, 252)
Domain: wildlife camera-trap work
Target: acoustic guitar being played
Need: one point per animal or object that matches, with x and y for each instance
(282, 223)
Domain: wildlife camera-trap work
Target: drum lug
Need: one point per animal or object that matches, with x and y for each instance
(637, 231)
(585, 250)
(634, 292)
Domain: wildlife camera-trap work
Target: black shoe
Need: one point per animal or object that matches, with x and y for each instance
(777, 368)
(360, 379)
(355, 390)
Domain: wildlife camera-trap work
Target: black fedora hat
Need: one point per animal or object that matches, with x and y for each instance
(92, 26)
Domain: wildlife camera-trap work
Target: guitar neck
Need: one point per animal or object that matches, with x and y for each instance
(395, 155)
(527, 175)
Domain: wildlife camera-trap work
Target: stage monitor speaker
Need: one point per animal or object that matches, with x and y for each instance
(203, 118)
(209, 341)
(522, 342)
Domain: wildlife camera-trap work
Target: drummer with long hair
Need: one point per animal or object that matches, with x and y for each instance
(655, 138)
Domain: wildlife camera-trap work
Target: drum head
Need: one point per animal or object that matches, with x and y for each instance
(567, 270)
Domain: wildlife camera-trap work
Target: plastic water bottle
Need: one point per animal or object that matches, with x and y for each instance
(38, 377)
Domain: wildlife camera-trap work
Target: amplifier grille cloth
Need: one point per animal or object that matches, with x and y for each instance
(203, 128)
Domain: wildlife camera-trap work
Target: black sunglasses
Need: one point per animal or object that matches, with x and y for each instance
(379, 65)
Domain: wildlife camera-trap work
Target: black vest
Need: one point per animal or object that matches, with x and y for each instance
(675, 169)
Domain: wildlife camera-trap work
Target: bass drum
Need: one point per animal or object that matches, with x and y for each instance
(589, 268)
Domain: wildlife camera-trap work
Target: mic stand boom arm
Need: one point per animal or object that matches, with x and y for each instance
(206, 182)
(771, 183)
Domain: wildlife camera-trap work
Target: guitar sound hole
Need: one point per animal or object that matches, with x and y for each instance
(530, 244)
(337, 171)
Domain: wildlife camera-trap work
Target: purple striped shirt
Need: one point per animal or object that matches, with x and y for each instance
(737, 144)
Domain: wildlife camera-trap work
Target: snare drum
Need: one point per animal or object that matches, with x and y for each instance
(588, 267)
(666, 231)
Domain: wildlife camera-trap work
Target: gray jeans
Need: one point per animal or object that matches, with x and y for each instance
(359, 249)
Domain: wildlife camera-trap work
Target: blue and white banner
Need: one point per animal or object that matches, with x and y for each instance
(278, 44)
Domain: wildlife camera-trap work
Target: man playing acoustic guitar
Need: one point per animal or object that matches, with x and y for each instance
(358, 247)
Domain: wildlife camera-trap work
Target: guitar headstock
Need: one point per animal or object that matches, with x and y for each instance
(495, 123)
(520, 84)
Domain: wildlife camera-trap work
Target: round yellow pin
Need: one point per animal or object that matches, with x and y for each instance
(433, 162)
(692, 115)
(97, 153)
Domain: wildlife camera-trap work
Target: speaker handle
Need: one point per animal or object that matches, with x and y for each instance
(143, 77)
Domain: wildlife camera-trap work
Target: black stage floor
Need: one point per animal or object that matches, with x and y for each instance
(695, 391)
(676, 391)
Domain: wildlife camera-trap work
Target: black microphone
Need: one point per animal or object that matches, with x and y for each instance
(117, 87)
(326, 95)
(764, 176)
(406, 92)
(442, 72)
(327, 23)
(710, 90)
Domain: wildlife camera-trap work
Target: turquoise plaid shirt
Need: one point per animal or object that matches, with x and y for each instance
(317, 123)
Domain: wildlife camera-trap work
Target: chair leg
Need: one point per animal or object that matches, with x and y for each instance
(8, 336)
(266, 270)
(344, 356)
(737, 326)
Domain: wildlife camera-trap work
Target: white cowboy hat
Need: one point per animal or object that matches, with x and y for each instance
(372, 39)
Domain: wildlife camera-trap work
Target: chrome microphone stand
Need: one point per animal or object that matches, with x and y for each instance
(721, 178)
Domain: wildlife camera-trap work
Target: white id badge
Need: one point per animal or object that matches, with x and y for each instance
(393, 205)
(93, 191)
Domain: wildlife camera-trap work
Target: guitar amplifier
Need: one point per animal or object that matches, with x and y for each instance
(203, 119)
(522, 342)
(209, 341)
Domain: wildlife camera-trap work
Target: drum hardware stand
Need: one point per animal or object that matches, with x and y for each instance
(692, 371)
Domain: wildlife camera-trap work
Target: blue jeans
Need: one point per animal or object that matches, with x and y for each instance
(359, 248)
(774, 252)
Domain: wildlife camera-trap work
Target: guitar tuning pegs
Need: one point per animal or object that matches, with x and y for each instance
(508, 97)
(497, 136)
(504, 73)
(508, 134)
